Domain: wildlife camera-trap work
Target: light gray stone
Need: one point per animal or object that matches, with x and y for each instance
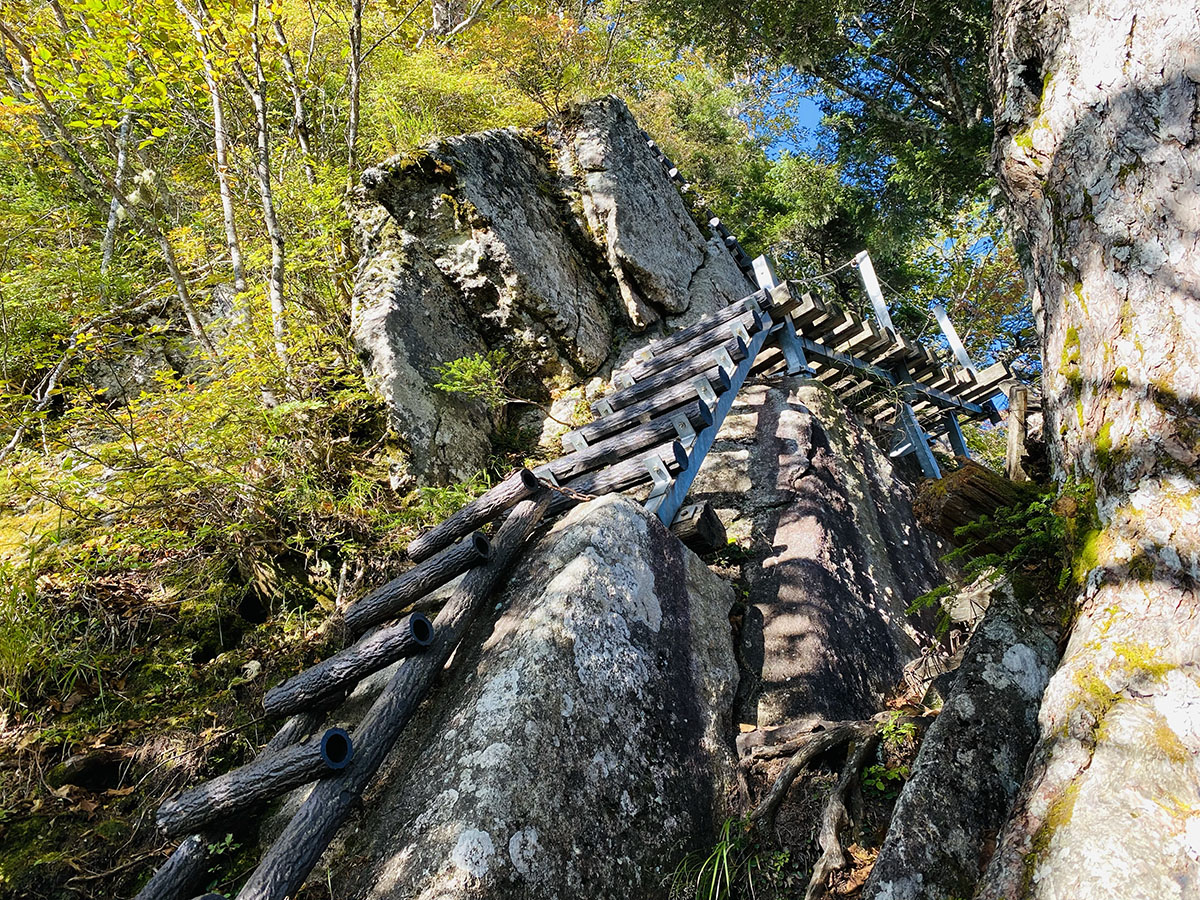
(579, 744)
(970, 764)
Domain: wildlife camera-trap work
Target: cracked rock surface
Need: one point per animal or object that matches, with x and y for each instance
(580, 746)
(560, 250)
(835, 556)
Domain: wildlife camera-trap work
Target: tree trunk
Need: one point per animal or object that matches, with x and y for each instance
(95, 181)
(299, 116)
(108, 244)
(221, 149)
(257, 90)
(355, 78)
(1099, 159)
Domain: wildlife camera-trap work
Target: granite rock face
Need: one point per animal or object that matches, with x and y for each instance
(835, 555)
(555, 249)
(580, 745)
(970, 764)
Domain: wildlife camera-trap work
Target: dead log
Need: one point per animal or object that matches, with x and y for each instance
(700, 528)
(963, 496)
(508, 493)
(323, 685)
(287, 863)
(389, 600)
(1018, 407)
(184, 872)
(265, 778)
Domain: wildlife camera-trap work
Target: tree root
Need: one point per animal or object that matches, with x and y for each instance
(837, 817)
(810, 747)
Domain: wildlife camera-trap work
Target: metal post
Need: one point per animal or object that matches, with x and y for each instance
(955, 435)
(789, 342)
(956, 345)
(866, 271)
(920, 445)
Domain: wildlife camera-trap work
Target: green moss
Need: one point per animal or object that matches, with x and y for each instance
(1167, 742)
(1104, 446)
(1077, 290)
(1071, 356)
(1060, 813)
(1024, 140)
(32, 854)
(1121, 378)
(1141, 657)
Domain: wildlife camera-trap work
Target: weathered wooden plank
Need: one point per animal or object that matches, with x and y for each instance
(700, 528)
(389, 600)
(1018, 406)
(296, 851)
(682, 372)
(639, 413)
(265, 778)
(626, 443)
(325, 684)
(512, 490)
(627, 473)
(709, 322)
(751, 321)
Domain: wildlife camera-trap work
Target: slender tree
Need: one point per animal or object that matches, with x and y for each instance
(220, 144)
(256, 87)
(98, 183)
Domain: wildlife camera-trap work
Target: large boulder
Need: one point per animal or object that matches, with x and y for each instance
(663, 266)
(971, 762)
(835, 557)
(558, 250)
(579, 744)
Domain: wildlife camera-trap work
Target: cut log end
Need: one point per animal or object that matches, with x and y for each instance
(421, 629)
(336, 747)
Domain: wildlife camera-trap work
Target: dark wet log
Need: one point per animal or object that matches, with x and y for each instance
(700, 528)
(626, 443)
(639, 413)
(507, 494)
(285, 866)
(685, 371)
(323, 685)
(184, 872)
(389, 600)
(268, 776)
(963, 496)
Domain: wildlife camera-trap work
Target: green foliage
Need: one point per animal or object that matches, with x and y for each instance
(885, 780)
(481, 376)
(904, 87)
(725, 871)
